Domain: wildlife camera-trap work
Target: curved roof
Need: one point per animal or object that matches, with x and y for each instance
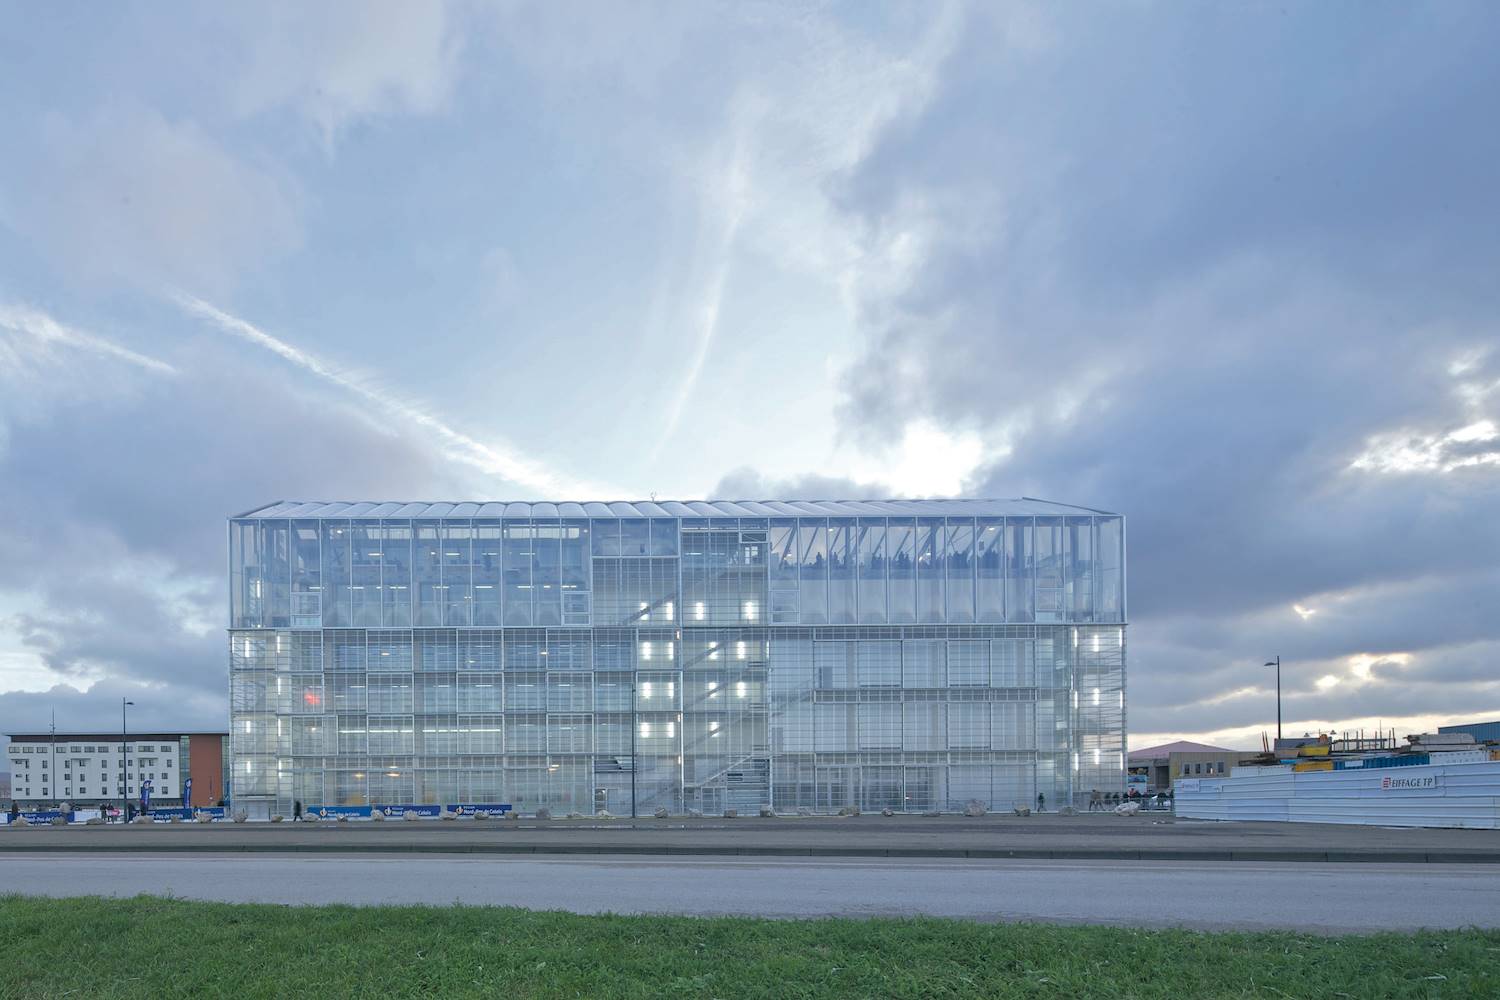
(666, 508)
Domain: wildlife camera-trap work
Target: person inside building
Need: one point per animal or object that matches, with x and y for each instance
(1096, 801)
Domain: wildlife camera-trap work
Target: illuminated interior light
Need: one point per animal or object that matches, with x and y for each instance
(699, 611)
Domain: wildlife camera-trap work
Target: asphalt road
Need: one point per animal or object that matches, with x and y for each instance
(1331, 898)
(1050, 837)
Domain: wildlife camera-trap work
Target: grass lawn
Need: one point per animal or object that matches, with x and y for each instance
(160, 947)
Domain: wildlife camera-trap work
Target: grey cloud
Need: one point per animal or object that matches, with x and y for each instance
(117, 565)
(98, 709)
(1191, 269)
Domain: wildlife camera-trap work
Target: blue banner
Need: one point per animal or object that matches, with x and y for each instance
(160, 815)
(334, 812)
(396, 812)
(44, 815)
(470, 808)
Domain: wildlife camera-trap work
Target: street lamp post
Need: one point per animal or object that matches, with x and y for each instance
(124, 761)
(1277, 664)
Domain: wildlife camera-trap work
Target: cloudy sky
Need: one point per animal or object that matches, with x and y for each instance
(1232, 270)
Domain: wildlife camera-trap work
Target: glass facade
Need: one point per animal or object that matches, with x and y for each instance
(629, 656)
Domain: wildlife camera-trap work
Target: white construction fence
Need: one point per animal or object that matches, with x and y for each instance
(1439, 795)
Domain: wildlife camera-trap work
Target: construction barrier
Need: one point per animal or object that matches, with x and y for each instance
(1439, 795)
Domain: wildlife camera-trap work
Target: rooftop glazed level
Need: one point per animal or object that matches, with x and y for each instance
(394, 565)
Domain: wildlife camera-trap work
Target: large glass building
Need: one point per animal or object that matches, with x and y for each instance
(911, 654)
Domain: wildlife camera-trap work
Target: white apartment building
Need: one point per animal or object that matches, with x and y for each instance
(89, 769)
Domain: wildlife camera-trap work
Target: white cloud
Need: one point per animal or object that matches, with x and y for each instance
(929, 460)
(339, 61)
(1415, 452)
(131, 196)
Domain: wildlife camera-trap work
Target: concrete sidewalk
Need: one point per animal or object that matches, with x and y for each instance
(1100, 837)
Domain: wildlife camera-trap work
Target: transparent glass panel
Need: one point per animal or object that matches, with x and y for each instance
(546, 574)
(833, 664)
(337, 609)
(924, 663)
(901, 592)
(932, 603)
(396, 574)
(606, 537)
(990, 564)
(969, 663)
(960, 560)
(635, 537)
(575, 559)
(458, 561)
(842, 551)
(1051, 564)
(1109, 570)
(878, 663)
(870, 552)
(812, 548)
(487, 576)
(276, 571)
(517, 560)
(427, 605)
(664, 536)
(1020, 602)
(365, 588)
(1080, 569)
(246, 585)
(783, 541)
(307, 576)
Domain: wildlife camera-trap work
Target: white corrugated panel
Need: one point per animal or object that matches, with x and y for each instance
(1460, 757)
(1447, 795)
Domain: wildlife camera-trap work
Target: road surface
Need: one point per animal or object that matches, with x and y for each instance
(1332, 898)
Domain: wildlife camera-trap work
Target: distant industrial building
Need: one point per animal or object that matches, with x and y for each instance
(1483, 732)
(88, 769)
(4, 786)
(1155, 769)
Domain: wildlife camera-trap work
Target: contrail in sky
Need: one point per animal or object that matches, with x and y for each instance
(492, 459)
(44, 328)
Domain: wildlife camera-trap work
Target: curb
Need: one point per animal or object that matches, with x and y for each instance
(708, 850)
